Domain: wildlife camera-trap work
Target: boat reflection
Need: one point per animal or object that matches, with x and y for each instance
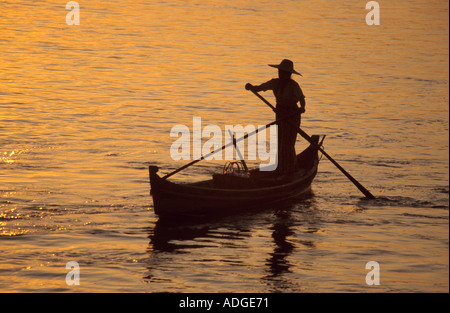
(172, 237)
(225, 244)
(177, 235)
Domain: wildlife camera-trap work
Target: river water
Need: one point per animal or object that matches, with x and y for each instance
(85, 109)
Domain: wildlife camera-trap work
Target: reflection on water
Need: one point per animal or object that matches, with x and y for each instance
(84, 110)
(164, 234)
(278, 262)
(178, 242)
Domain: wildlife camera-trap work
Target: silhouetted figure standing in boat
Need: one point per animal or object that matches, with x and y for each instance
(287, 93)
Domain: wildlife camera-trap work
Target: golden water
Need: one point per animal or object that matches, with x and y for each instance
(85, 109)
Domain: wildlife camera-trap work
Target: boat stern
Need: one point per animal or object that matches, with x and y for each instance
(152, 170)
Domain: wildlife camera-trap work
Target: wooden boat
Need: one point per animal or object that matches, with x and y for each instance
(227, 194)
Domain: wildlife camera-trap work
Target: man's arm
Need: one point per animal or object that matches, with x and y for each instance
(300, 98)
(302, 105)
(263, 87)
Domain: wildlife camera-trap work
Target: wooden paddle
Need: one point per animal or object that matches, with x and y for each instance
(308, 138)
(233, 142)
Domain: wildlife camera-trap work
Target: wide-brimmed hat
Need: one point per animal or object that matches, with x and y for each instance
(286, 65)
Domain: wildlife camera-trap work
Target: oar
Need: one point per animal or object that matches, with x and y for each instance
(233, 142)
(308, 138)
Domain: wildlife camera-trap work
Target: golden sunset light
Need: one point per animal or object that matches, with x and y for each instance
(195, 147)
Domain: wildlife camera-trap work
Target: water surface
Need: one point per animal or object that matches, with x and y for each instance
(85, 109)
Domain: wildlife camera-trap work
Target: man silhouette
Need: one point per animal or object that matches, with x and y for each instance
(287, 93)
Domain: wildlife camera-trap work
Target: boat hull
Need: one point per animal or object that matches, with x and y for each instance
(204, 199)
